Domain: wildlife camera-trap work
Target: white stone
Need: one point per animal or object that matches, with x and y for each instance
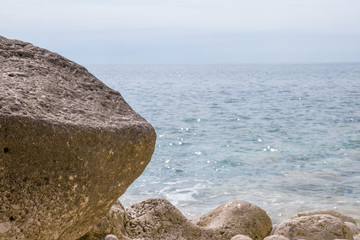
(276, 237)
(241, 237)
(111, 237)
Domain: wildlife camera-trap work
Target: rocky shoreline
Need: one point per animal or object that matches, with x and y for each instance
(70, 147)
(237, 220)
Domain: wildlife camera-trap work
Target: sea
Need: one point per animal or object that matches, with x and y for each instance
(285, 137)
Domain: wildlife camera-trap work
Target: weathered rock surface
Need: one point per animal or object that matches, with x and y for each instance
(159, 219)
(150, 219)
(238, 217)
(331, 212)
(314, 227)
(112, 224)
(69, 145)
(353, 228)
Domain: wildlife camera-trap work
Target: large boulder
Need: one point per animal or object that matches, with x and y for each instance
(69, 145)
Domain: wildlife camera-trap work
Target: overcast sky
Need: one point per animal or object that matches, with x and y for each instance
(188, 31)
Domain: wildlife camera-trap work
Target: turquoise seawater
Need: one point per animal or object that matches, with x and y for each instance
(284, 137)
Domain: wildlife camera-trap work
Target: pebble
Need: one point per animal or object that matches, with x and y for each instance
(111, 237)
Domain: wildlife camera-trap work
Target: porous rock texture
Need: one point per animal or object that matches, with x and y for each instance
(69, 145)
(113, 223)
(150, 219)
(314, 227)
(156, 219)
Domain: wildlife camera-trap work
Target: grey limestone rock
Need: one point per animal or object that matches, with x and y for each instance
(69, 145)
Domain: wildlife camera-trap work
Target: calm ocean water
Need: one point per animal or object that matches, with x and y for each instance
(284, 137)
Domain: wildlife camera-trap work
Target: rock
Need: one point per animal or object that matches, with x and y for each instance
(276, 237)
(273, 229)
(314, 227)
(111, 225)
(353, 228)
(111, 237)
(357, 237)
(238, 217)
(159, 219)
(240, 237)
(331, 212)
(69, 145)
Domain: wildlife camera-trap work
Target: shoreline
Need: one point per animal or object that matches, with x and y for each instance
(157, 218)
(70, 146)
(277, 211)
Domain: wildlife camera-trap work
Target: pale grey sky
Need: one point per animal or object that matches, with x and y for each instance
(188, 31)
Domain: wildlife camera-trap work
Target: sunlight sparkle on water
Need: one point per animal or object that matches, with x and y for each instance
(246, 123)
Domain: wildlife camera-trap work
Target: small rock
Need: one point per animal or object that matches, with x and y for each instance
(314, 227)
(331, 212)
(159, 219)
(111, 237)
(273, 229)
(238, 217)
(276, 237)
(354, 229)
(240, 237)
